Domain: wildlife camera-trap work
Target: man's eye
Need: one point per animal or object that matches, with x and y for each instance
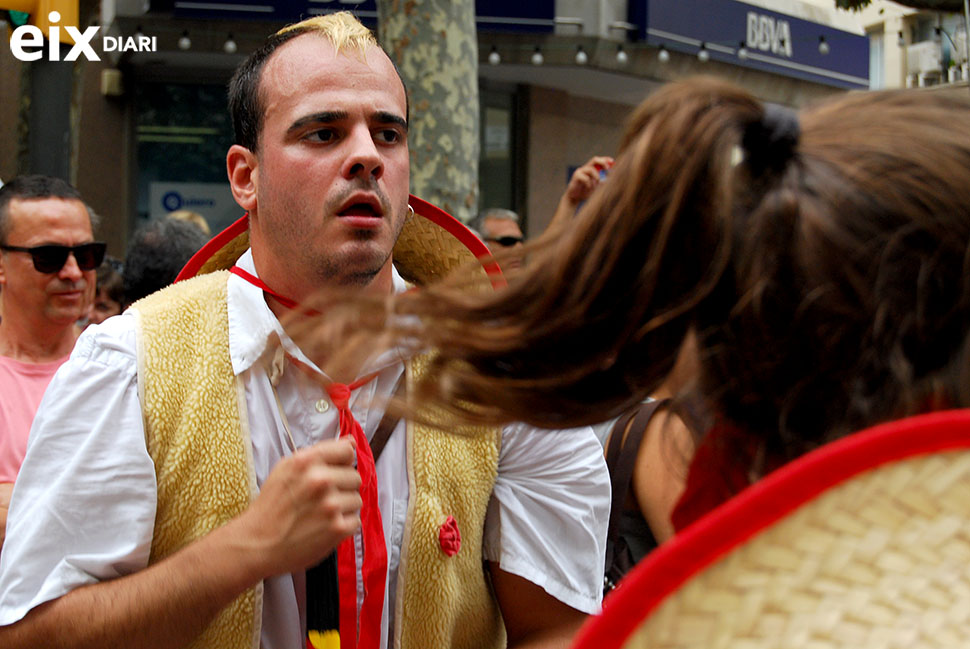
(322, 135)
(387, 136)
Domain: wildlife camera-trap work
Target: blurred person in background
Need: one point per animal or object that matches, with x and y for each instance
(156, 253)
(499, 229)
(191, 217)
(109, 295)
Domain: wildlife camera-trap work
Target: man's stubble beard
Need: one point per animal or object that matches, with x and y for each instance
(333, 271)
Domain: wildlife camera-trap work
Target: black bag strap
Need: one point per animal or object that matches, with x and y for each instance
(614, 441)
(387, 424)
(621, 457)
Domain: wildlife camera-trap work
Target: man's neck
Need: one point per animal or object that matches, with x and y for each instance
(381, 283)
(344, 360)
(32, 344)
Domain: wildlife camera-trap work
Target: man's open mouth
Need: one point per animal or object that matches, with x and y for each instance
(360, 209)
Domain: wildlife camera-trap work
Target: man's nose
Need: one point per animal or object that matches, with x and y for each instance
(70, 270)
(363, 158)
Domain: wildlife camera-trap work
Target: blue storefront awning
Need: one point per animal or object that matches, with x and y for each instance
(773, 41)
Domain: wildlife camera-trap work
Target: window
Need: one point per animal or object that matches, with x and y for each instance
(498, 165)
(182, 135)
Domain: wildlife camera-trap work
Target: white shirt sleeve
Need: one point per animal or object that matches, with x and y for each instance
(549, 512)
(83, 505)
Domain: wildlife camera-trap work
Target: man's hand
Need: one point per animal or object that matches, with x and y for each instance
(6, 488)
(307, 505)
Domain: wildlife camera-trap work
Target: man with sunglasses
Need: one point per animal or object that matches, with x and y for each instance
(48, 258)
(499, 229)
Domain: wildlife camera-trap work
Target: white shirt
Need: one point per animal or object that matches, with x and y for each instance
(83, 506)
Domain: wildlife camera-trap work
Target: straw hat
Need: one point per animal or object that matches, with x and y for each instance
(864, 543)
(432, 244)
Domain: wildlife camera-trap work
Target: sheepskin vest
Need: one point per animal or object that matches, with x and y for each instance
(186, 384)
(442, 600)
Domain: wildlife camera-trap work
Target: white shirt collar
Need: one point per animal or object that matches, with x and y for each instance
(252, 325)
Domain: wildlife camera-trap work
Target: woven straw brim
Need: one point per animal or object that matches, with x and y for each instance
(225, 256)
(433, 244)
(880, 561)
(426, 252)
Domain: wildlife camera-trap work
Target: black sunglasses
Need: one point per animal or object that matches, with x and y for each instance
(51, 258)
(506, 242)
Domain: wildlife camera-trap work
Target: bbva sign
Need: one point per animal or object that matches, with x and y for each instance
(768, 34)
(27, 42)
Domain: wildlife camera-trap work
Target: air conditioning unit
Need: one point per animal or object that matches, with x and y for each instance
(924, 57)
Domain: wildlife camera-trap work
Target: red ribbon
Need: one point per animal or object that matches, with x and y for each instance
(258, 283)
(368, 624)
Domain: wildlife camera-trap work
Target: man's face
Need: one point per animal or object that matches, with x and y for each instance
(60, 297)
(497, 230)
(332, 170)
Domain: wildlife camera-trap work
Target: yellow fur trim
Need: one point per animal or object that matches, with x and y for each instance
(195, 436)
(446, 601)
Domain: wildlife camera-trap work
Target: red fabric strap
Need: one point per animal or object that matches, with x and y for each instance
(363, 631)
(258, 283)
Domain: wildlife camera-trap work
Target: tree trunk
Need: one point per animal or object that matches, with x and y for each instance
(434, 44)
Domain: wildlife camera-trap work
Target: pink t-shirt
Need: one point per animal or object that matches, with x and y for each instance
(21, 387)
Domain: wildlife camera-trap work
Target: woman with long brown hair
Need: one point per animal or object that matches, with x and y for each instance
(821, 261)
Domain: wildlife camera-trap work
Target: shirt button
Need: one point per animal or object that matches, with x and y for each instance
(322, 405)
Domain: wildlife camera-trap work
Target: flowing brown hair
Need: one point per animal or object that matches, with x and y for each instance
(823, 263)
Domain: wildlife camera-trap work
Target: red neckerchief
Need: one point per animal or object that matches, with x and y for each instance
(358, 629)
(258, 283)
(366, 625)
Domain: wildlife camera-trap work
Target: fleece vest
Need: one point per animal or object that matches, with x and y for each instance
(198, 437)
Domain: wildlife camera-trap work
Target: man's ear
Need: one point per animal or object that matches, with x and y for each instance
(241, 165)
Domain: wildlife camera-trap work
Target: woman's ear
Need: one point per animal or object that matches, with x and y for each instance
(241, 165)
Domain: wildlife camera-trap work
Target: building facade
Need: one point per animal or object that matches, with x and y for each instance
(916, 49)
(144, 131)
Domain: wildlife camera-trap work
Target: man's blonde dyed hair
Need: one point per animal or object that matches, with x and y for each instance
(342, 29)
